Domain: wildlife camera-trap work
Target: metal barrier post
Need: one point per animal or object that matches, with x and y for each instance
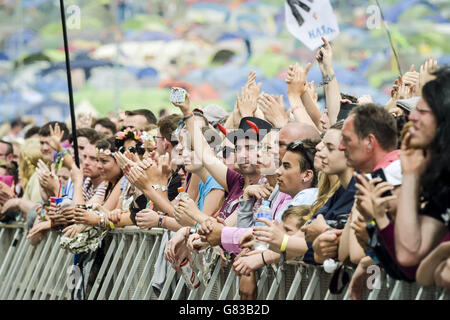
(228, 283)
(30, 268)
(105, 264)
(147, 267)
(59, 282)
(112, 268)
(312, 285)
(210, 285)
(21, 270)
(279, 278)
(55, 268)
(10, 253)
(42, 257)
(167, 284)
(262, 281)
(295, 284)
(132, 271)
(10, 274)
(124, 268)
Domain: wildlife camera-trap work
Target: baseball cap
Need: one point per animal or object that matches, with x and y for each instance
(408, 104)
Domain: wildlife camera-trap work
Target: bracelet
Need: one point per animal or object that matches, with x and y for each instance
(284, 243)
(326, 79)
(188, 116)
(262, 256)
(102, 220)
(111, 225)
(160, 221)
(157, 186)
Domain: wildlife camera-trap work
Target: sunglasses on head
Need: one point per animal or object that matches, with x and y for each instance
(299, 146)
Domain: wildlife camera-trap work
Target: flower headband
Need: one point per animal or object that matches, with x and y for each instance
(107, 152)
(130, 133)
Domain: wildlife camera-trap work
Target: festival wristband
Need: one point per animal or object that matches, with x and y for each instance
(284, 243)
(111, 225)
(188, 116)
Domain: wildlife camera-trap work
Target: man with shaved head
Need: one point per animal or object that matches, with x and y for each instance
(295, 131)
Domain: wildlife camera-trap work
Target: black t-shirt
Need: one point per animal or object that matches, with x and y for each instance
(438, 212)
(173, 184)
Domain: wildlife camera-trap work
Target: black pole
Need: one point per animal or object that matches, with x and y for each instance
(69, 84)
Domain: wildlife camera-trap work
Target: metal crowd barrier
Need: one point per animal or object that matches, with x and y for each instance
(43, 273)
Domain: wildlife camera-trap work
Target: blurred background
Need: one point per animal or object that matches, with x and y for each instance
(126, 54)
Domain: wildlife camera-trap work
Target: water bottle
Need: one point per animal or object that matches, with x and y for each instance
(181, 194)
(264, 211)
(190, 278)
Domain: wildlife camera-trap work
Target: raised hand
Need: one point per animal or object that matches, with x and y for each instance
(251, 84)
(273, 110)
(296, 80)
(56, 135)
(412, 79)
(185, 107)
(247, 102)
(426, 71)
(324, 57)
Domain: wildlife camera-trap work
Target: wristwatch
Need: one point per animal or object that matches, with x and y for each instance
(157, 186)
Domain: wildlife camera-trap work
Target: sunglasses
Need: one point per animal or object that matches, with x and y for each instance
(139, 151)
(299, 146)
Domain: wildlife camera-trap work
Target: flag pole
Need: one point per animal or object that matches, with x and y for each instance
(69, 84)
(390, 39)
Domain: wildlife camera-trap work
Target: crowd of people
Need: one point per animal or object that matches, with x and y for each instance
(360, 184)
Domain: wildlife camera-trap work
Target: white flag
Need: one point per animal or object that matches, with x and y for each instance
(309, 20)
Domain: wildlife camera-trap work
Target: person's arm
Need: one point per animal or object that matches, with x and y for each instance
(213, 201)
(113, 198)
(332, 94)
(355, 250)
(202, 150)
(311, 108)
(273, 234)
(344, 247)
(415, 235)
(296, 80)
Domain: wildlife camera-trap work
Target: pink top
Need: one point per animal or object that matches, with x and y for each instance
(387, 159)
(230, 238)
(231, 235)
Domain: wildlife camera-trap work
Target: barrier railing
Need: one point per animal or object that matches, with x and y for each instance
(43, 272)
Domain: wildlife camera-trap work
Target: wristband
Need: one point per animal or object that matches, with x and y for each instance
(284, 243)
(188, 116)
(111, 225)
(262, 256)
(160, 221)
